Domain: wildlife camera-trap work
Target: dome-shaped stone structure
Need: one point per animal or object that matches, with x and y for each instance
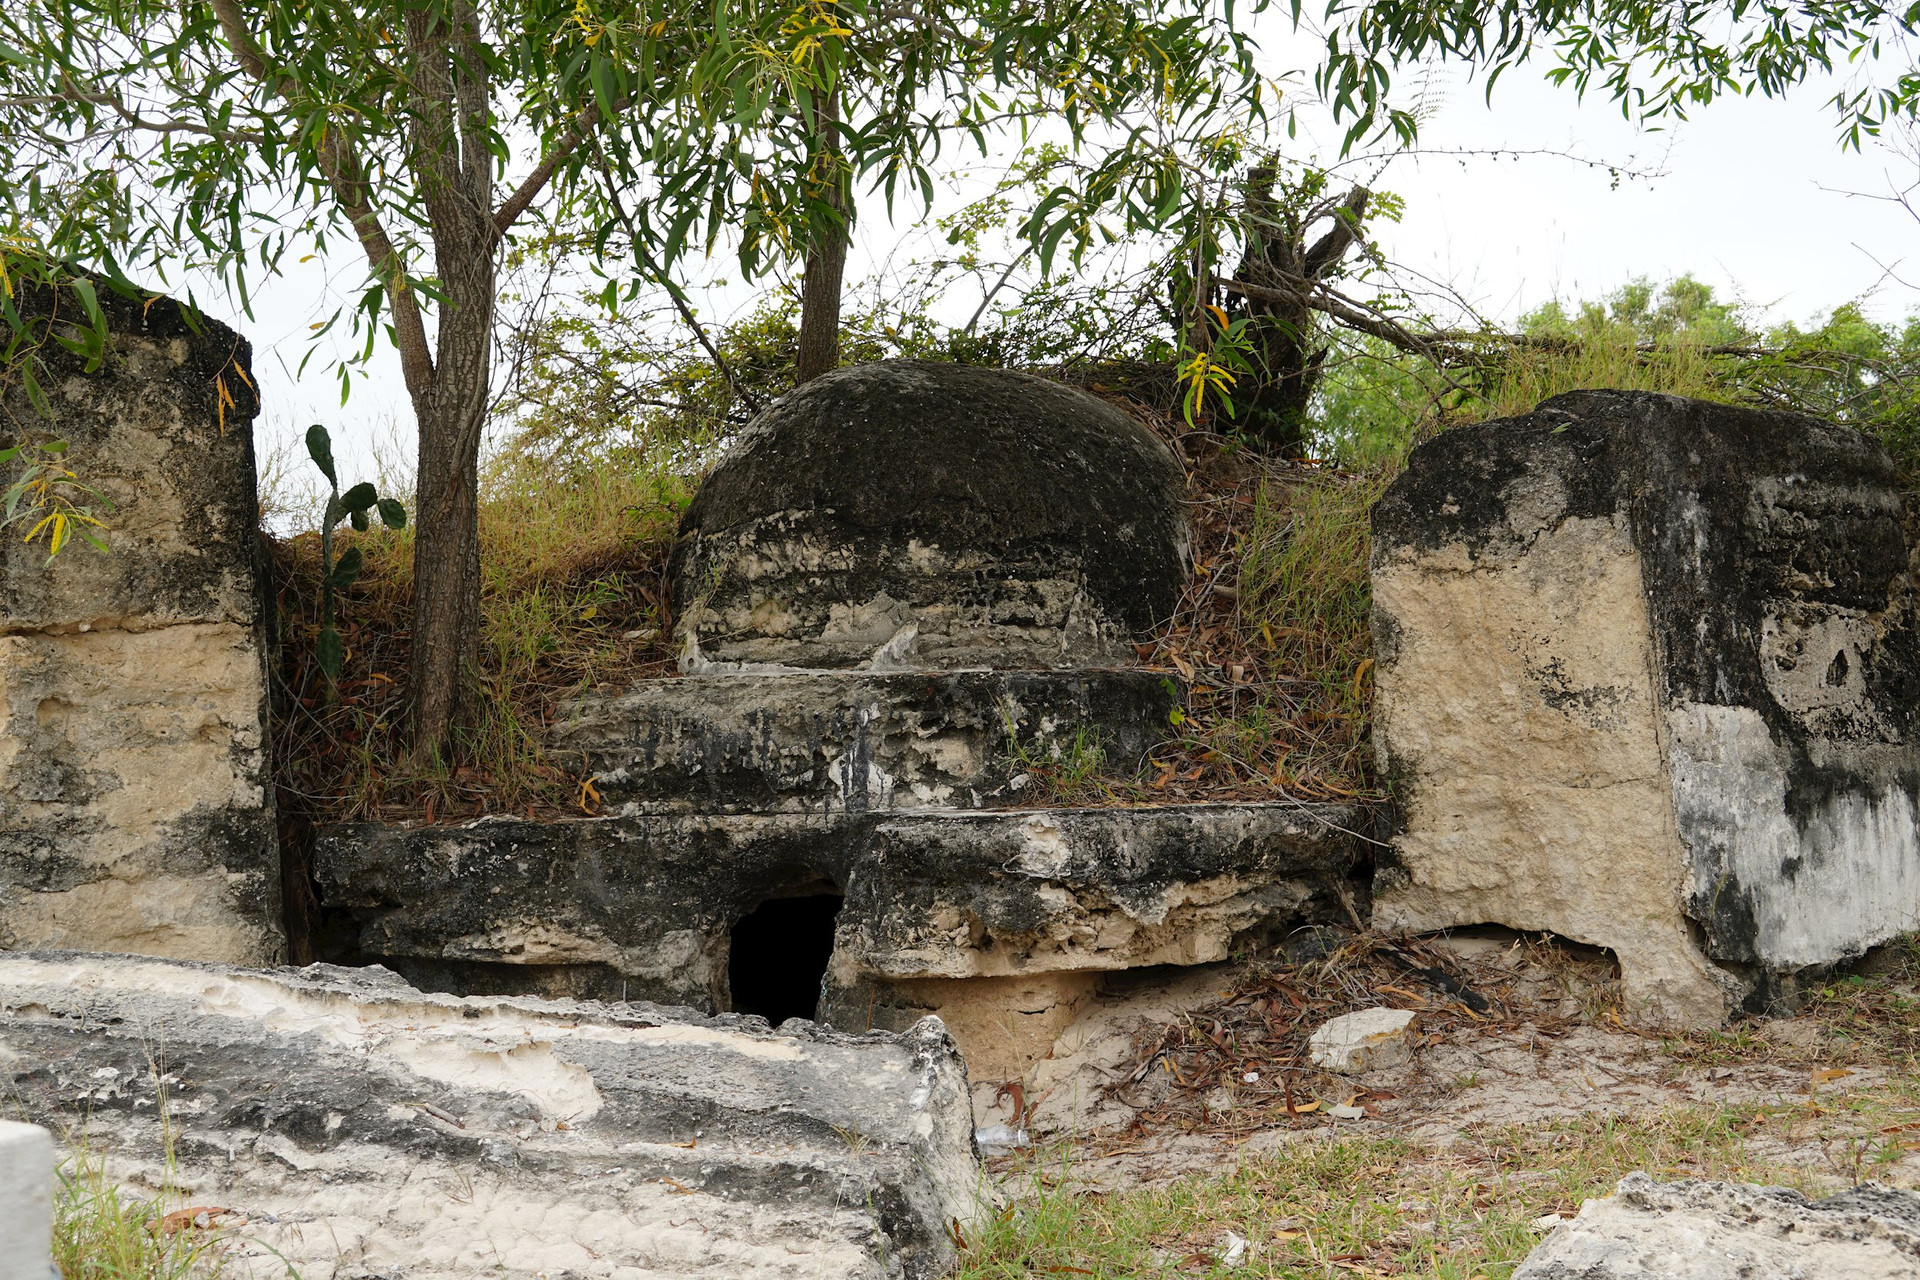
(911, 514)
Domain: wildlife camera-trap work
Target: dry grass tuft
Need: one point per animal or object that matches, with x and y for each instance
(573, 595)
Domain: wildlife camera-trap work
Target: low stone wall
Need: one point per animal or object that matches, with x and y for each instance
(136, 808)
(644, 907)
(851, 741)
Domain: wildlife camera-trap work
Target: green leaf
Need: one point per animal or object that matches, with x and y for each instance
(392, 514)
(31, 385)
(14, 494)
(359, 498)
(345, 570)
(359, 521)
(91, 301)
(320, 449)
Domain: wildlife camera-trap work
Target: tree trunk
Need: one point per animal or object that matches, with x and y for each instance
(446, 554)
(455, 170)
(1286, 355)
(820, 288)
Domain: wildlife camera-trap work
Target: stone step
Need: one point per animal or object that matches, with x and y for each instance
(647, 905)
(854, 741)
(345, 1116)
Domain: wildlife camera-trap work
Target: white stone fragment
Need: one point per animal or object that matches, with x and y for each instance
(26, 1201)
(1689, 1230)
(1368, 1040)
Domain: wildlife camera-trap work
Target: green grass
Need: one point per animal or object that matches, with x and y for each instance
(1339, 1207)
(1680, 368)
(1065, 771)
(102, 1231)
(1375, 1202)
(1305, 589)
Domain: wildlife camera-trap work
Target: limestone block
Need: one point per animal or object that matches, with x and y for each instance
(164, 428)
(1362, 1041)
(645, 906)
(1690, 1230)
(362, 1127)
(840, 741)
(136, 807)
(1648, 678)
(134, 794)
(983, 895)
(910, 514)
(26, 1201)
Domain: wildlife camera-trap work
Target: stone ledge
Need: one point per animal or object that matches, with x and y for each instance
(345, 1113)
(850, 741)
(644, 904)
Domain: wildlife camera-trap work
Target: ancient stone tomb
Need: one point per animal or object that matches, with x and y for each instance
(1648, 678)
(903, 581)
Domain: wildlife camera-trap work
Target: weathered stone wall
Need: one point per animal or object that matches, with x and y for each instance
(1649, 678)
(851, 742)
(135, 801)
(642, 906)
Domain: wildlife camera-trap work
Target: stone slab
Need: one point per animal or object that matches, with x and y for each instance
(1362, 1041)
(26, 1201)
(364, 1128)
(644, 904)
(1648, 673)
(1690, 1230)
(850, 742)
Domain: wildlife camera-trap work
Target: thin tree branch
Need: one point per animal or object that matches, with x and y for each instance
(133, 118)
(527, 192)
(740, 390)
(346, 176)
(998, 285)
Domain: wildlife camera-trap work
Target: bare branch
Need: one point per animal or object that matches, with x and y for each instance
(133, 118)
(680, 303)
(527, 192)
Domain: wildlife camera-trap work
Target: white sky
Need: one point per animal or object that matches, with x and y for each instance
(1751, 196)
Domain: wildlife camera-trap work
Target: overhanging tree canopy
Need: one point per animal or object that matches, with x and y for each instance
(833, 97)
(226, 134)
(1656, 58)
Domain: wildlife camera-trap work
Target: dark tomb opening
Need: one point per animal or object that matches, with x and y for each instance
(778, 956)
